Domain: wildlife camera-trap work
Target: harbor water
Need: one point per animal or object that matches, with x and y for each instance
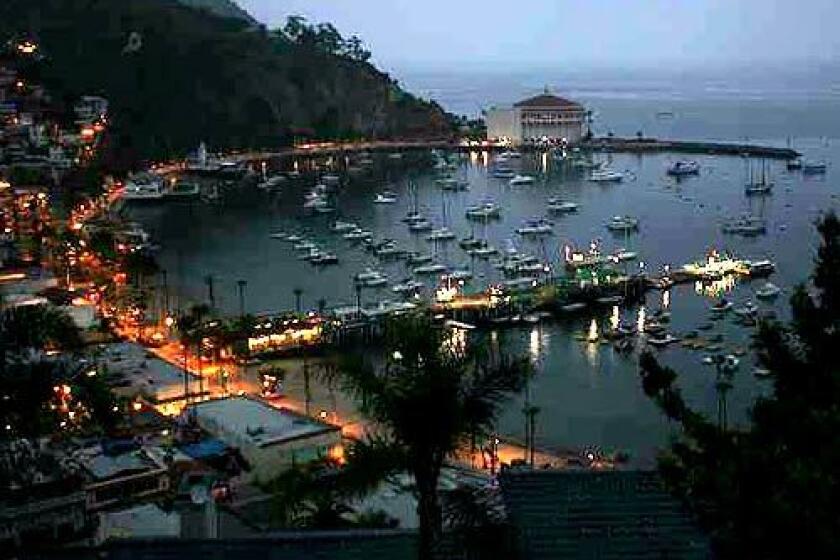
(588, 394)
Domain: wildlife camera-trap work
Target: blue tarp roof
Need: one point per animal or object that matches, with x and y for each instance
(204, 449)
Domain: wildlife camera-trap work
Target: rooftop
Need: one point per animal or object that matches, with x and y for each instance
(252, 421)
(547, 100)
(609, 514)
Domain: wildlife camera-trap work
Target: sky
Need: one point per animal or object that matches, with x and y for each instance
(450, 34)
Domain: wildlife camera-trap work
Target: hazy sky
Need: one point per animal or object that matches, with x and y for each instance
(450, 33)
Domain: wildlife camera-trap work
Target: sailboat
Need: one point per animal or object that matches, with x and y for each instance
(760, 186)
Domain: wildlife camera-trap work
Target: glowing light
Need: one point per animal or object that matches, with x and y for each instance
(323, 415)
(593, 331)
(614, 318)
(534, 345)
(137, 406)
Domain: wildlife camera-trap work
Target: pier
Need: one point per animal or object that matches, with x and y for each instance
(614, 144)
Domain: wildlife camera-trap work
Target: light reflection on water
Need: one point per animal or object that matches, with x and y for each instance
(589, 393)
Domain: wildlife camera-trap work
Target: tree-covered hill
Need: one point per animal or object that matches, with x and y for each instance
(176, 75)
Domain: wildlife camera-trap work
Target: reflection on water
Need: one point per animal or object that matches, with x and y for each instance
(535, 345)
(641, 319)
(715, 288)
(666, 299)
(615, 319)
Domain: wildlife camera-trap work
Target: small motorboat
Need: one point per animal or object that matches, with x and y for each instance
(407, 286)
(421, 225)
(814, 167)
(606, 176)
(461, 275)
(419, 258)
(758, 188)
(521, 180)
(661, 341)
(683, 168)
(441, 234)
(324, 259)
(340, 227)
(768, 291)
(484, 211)
(558, 206)
(623, 224)
(429, 269)
(749, 309)
(537, 226)
(794, 164)
(386, 197)
(722, 306)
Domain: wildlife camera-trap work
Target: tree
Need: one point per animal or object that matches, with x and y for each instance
(770, 490)
(190, 333)
(432, 395)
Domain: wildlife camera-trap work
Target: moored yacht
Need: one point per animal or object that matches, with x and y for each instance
(143, 187)
(558, 206)
(683, 168)
(484, 211)
(521, 180)
(539, 226)
(623, 224)
(606, 176)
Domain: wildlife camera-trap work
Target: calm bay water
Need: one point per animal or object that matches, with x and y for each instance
(588, 394)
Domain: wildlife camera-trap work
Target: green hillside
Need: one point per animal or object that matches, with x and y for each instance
(188, 76)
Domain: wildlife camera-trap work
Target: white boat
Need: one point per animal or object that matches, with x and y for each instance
(453, 184)
(510, 154)
(746, 226)
(341, 227)
(521, 180)
(385, 198)
(535, 227)
(558, 206)
(461, 274)
(407, 286)
(323, 207)
(483, 252)
(758, 188)
(419, 258)
(422, 225)
(414, 217)
(683, 168)
(623, 223)
(483, 211)
(606, 176)
(504, 173)
(304, 246)
(371, 277)
(331, 179)
(429, 269)
(722, 306)
(441, 234)
(143, 187)
(357, 234)
(814, 167)
(520, 283)
(747, 310)
(324, 259)
(623, 256)
(272, 183)
(768, 291)
(760, 268)
(662, 340)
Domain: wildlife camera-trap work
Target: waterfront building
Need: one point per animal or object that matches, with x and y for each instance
(270, 439)
(544, 118)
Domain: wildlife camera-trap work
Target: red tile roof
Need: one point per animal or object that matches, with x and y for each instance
(547, 100)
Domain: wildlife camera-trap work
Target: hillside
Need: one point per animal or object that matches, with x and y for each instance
(193, 76)
(224, 8)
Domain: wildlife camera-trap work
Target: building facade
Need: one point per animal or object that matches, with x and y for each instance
(544, 119)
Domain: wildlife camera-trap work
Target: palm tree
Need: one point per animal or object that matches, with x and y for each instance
(298, 294)
(429, 399)
(190, 333)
